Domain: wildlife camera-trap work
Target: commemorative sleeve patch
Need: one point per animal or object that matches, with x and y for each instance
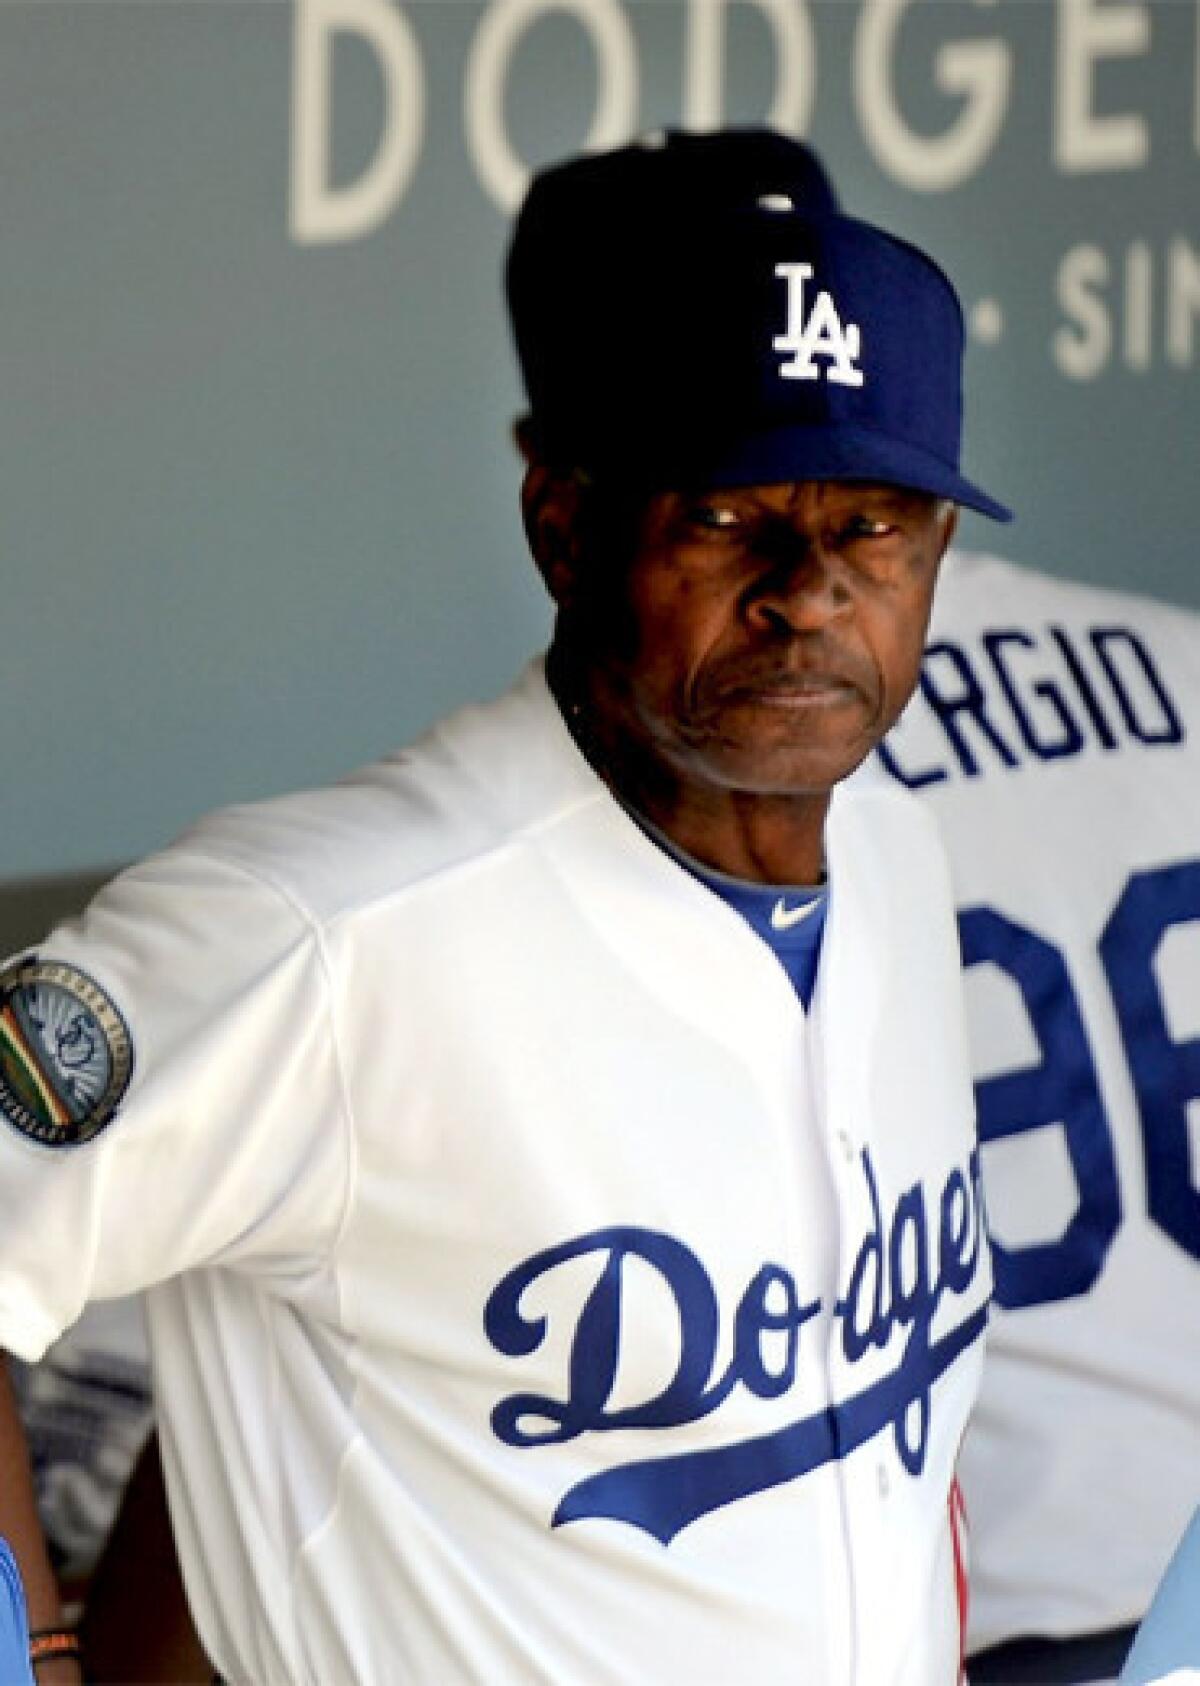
(66, 1055)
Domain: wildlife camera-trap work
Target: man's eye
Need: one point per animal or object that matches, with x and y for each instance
(716, 517)
(867, 527)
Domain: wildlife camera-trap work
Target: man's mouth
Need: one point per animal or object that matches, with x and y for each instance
(791, 690)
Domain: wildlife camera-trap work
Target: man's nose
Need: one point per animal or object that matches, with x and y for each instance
(799, 587)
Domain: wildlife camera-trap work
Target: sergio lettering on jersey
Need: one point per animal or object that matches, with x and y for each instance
(905, 1268)
(1017, 696)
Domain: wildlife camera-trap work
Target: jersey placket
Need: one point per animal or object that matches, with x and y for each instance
(836, 1524)
(863, 1478)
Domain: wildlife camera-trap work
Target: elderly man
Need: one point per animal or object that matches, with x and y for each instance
(549, 1153)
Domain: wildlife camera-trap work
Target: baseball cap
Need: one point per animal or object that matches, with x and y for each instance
(695, 310)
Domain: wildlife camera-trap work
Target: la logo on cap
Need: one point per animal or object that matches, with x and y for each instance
(820, 333)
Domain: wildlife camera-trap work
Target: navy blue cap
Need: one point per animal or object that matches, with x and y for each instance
(695, 311)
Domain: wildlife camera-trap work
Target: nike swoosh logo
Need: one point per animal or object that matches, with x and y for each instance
(784, 917)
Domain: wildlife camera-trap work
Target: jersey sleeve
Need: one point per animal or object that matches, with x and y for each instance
(169, 1094)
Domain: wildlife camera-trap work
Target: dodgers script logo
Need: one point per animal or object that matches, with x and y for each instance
(907, 1265)
(819, 332)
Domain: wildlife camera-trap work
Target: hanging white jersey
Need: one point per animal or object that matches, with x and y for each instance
(1056, 736)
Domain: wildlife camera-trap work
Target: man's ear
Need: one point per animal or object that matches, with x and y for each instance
(551, 500)
(524, 438)
(949, 528)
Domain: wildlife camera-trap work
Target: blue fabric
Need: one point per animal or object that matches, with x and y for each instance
(1169, 1638)
(14, 1625)
(768, 907)
(773, 911)
(698, 314)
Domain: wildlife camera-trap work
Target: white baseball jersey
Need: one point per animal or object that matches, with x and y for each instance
(1056, 735)
(537, 1293)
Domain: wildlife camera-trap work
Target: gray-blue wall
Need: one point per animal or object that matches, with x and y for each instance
(257, 496)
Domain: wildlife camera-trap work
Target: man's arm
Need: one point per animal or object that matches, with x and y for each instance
(136, 1623)
(19, 1525)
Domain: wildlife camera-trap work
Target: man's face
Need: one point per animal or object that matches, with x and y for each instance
(759, 641)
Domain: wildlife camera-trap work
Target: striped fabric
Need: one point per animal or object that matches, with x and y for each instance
(14, 1628)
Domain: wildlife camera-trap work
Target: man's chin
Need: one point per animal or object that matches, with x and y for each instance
(788, 773)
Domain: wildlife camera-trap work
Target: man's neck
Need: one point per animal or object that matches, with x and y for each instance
(761, 839)
(765, 839)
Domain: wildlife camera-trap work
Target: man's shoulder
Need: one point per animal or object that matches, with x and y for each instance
(467, 787)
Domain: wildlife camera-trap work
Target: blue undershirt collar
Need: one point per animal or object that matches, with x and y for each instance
(789, 918)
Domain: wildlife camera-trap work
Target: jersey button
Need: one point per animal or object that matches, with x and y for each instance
(885, 1485)
(846, 1145)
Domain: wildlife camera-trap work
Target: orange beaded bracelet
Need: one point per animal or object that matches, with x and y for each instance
(53, 1642)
